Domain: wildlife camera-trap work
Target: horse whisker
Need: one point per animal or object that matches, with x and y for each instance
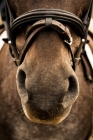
(88, 95)
(86, 106)
(74, 116)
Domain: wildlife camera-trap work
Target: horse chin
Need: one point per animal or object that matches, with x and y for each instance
(52, 121)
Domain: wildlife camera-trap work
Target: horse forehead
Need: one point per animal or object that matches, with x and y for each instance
(73, 6)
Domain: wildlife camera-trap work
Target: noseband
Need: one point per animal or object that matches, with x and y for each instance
(47, 18)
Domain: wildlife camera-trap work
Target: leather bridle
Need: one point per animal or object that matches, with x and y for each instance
(47, 18)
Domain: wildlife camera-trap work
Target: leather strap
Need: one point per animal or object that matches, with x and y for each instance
(39, 14)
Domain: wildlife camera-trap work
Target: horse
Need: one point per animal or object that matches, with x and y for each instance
(56, 98)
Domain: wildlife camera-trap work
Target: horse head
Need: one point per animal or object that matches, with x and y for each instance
(46, 79)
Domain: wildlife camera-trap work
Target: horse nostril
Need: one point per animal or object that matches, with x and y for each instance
(21, 77)
(21, 86)
(73, 84)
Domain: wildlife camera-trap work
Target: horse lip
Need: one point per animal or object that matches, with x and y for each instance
(54, 120)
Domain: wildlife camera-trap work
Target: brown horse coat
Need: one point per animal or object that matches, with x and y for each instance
(15, 126)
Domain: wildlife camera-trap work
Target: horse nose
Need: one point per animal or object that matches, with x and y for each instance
(42, 83)
(46, 97)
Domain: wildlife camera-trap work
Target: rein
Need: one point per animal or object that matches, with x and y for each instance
(47, 18)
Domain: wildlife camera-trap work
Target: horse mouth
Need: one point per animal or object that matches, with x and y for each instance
(49, 112)
(46, 117)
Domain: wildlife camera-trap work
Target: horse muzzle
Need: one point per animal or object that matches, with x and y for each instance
(47, 95)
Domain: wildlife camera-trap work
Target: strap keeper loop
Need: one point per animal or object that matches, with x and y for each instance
(48, 22)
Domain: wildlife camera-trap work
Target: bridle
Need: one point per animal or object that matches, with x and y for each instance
(46, 18)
